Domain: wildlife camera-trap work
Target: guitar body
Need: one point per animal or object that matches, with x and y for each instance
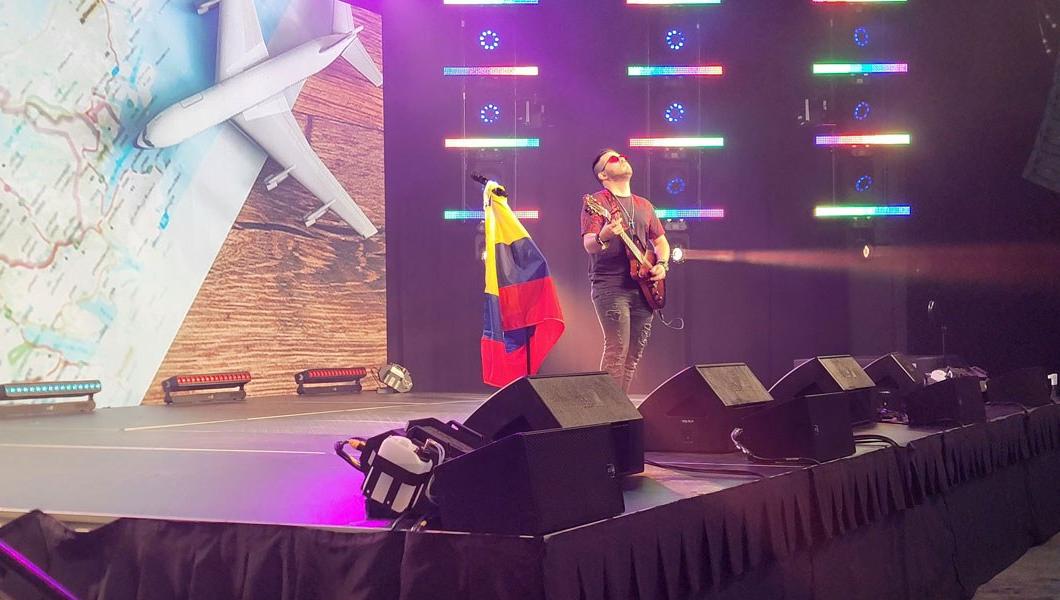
(654, 291)
(641, 260)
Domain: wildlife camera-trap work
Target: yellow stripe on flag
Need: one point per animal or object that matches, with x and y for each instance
(502, 227)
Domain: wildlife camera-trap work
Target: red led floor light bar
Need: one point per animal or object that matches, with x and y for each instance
(183, 389)
(330, 381)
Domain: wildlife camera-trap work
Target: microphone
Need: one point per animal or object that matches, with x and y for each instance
(500, 191)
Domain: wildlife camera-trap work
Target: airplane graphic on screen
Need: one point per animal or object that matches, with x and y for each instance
(250, 92)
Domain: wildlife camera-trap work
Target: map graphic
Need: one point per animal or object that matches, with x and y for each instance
(103, 246)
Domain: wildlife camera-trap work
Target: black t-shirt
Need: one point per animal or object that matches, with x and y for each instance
(612, 264)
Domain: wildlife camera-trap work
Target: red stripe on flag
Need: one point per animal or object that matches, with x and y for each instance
(529, 303)
(499, 368)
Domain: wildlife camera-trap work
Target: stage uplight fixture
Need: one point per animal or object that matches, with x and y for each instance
(674, 113)
(676, 39)
(863, 183)
(344, 380)
(183, 389)
(395, 378)
(15, 397)
(677, 255)
(51, 389)
(489, 40)
(861, 37)
(490, 114)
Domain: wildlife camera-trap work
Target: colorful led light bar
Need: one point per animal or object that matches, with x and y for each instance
(54, 389)
(858, 68)
(848, 212)
(883, 139)
(690, 213)
(675, 70)
(478, 215)
(525, 71)
(492, 142)
(858, 1)
(678, 142)
(487, 2)
(674, 2)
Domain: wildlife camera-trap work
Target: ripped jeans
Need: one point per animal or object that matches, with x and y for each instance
(625, 319)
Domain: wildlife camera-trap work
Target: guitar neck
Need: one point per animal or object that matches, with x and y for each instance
(594, 207)
(637, 254)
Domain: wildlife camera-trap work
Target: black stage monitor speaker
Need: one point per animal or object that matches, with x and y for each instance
(1029, 387)
(830, 374)
(895, 372)
(697, 409)
(557, 401)
(896, 376)
(531, 483)
(815, 426)
(956, 400)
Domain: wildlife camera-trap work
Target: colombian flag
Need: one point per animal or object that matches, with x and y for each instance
(522, 318)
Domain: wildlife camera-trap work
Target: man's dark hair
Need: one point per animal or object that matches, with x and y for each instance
(600, 155)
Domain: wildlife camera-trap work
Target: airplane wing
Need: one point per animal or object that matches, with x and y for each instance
(239, 41)
(275, 129)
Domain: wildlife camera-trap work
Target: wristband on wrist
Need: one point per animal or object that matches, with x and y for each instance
(600, 242)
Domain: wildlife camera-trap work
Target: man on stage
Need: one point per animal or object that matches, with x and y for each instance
(624, 313)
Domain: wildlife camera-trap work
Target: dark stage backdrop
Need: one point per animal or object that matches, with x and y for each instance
(973, 100)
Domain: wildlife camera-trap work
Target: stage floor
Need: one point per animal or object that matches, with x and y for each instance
(266, 460)
(934, 517)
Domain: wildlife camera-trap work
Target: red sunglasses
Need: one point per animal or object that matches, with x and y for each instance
(614, 158)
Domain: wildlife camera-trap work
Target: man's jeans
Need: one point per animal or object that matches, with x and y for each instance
(625, 319)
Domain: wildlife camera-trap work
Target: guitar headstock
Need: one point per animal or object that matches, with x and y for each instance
(594, 207)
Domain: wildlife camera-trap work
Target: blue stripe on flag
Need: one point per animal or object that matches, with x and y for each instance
(519, 262)
(491, 326)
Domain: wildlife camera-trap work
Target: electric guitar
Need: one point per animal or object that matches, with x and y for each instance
(641, 259)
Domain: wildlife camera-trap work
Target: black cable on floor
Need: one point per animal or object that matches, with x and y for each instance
(705, 470)
(868, 438)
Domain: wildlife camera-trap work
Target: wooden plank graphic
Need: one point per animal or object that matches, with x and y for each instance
(280, 297)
